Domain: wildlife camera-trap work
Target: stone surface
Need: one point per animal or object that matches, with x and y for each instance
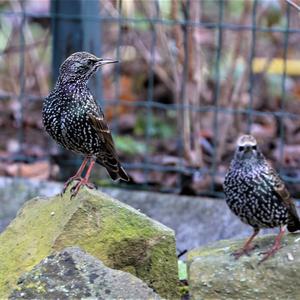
(197, 221)
(15, 191)
(120, 236)
(215, 274)
(74, 274)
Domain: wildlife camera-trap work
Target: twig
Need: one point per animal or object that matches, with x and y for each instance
(233, 94)
(196, 81)
(293, 4)
(226, 120)
(28, 47)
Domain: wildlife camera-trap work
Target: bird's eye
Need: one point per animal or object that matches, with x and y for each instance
(241, 148)
(254, 147)
(90, 62)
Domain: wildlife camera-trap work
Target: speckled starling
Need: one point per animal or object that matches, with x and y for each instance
(256, 194)
(72, 118)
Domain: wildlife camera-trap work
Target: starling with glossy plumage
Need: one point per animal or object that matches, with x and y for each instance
(73, 119)
(256, 194)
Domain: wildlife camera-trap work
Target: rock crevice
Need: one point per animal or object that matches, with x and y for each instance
(72, 273)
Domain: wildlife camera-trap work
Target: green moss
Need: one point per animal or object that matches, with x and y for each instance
(35, 286)
(184, 291)
(117, 234)
(23, 244)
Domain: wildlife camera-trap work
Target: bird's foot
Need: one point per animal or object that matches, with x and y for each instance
(269, 253)
(67, 183)
(244, 251)
(79, 184)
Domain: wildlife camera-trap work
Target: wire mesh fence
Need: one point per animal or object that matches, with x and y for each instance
(192, 77)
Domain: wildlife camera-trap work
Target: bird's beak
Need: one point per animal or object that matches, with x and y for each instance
(248, 149)
(105, 61)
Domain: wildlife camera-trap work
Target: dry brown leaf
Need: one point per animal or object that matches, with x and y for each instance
(37, 170)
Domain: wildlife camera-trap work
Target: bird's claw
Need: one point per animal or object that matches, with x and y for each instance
(82, 182)
(240, 253)
(68, 182)
(268, 253)
(243, 251)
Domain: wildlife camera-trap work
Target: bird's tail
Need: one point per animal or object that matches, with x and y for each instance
(293, 223)
(113, 167)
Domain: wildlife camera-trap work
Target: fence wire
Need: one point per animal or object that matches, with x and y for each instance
(185, 140)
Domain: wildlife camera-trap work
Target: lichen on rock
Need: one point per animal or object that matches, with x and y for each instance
(74, 274)
(114, 232)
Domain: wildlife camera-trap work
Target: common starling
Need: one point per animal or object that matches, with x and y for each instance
(72, 118)
(256, 194)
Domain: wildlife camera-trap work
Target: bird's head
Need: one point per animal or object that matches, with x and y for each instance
(81, 66)
(247, 148)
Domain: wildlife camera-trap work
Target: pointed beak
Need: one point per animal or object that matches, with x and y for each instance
(248, 149)
(105, 61)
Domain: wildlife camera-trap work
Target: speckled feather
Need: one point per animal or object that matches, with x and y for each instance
(72, 117)
(256, 194)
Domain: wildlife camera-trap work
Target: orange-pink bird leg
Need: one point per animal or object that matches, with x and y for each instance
(78, 174)
(275, 247)
(247, 246)
(83, 181)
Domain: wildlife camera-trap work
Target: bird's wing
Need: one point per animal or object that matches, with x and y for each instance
(108, 156)
(99, 124)
(282, 192)
(279, 186)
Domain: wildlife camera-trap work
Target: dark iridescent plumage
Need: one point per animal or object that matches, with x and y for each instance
(72, 117)
(256, 194)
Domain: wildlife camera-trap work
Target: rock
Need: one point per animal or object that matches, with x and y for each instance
(214, 273)
(196, 221)
(15, 191)
(192, 218)
(74, 274)
(115, 233)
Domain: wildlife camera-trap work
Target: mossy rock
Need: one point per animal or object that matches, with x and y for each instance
(213, 273)
(120, 236)
(74, 274)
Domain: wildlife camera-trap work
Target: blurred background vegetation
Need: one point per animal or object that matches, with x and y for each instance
(193, 76)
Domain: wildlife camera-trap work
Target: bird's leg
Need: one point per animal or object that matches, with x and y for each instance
(78, 174)
(275, 247)
(247, 246)
(83, 181)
